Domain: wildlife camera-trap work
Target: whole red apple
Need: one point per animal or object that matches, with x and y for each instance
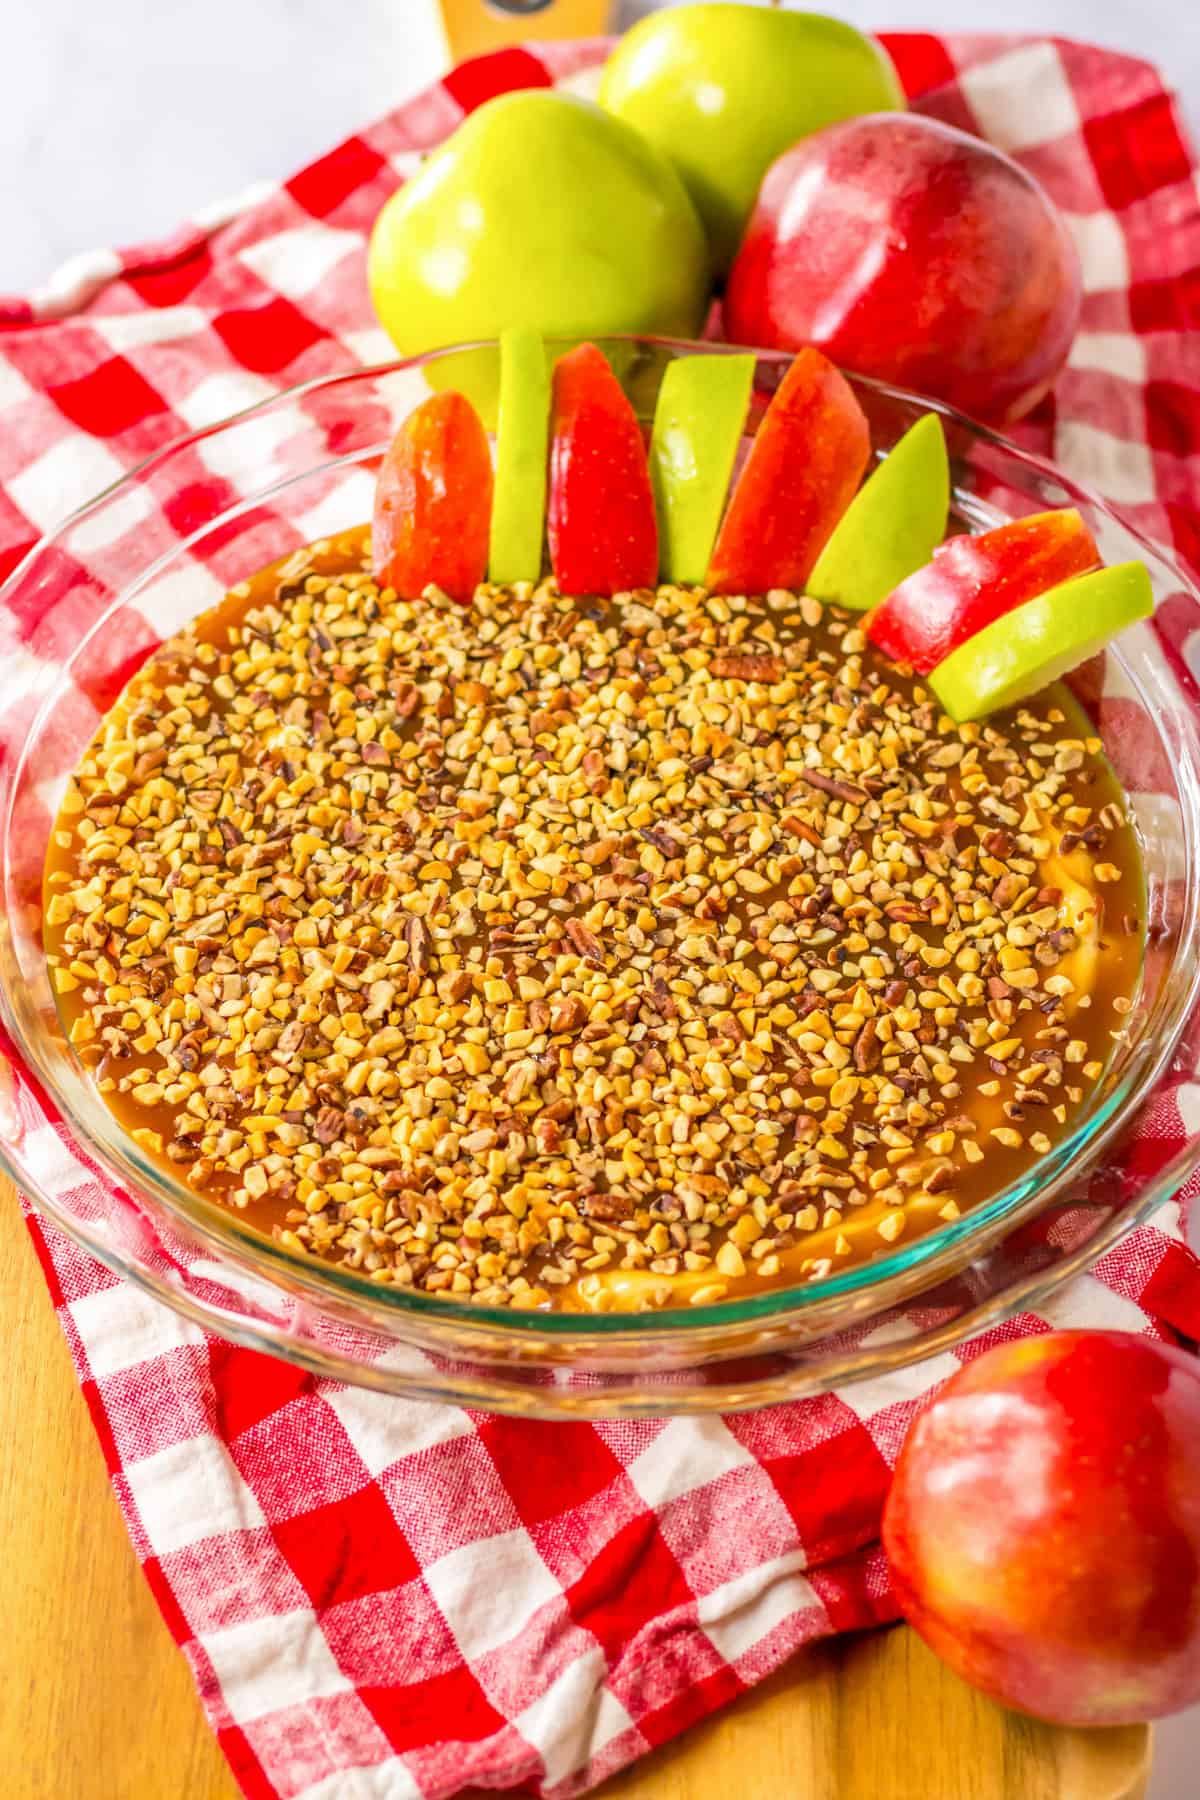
(1043, 1527)
(908, 250)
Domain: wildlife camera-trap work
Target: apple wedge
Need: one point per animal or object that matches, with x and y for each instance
(698, 425)
(1031, 646)
(804, 466)
(893, 524)
(433, 501)
(600, 522)
(522, 438)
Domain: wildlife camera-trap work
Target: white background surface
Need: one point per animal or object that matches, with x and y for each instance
(121, 118)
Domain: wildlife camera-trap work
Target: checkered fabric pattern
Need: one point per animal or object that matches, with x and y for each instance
(382, 1599)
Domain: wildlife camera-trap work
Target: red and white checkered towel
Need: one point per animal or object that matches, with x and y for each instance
(382, 1599)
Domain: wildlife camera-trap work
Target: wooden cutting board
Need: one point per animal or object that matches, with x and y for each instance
(97, 1704)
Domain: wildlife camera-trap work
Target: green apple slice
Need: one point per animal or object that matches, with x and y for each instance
(522, 444)
(892, 526)
(698, 424)
(1026, 649)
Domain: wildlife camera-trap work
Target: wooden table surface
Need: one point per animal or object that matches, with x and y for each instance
(97, 1704)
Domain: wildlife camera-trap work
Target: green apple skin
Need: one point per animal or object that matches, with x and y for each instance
(892, 526)
(698, 425)
(522, 446)
(725, 89)
(541, 210)
(1028, 648)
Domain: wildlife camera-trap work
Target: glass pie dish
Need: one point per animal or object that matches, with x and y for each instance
(165, 543)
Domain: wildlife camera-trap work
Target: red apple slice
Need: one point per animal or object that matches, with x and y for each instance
(433, 502)
(973, 581)
(804, 466)
(601, 524)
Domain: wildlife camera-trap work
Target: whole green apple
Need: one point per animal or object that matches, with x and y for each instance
(725, 89)
(544, 211)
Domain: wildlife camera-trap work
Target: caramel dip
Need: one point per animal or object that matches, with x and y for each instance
(588, 955)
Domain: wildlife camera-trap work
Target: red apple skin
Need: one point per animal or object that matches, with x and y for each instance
(908, 250)
(972, 581)
(1043, 1527)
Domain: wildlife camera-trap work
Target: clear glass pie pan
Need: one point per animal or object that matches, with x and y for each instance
(163, 544)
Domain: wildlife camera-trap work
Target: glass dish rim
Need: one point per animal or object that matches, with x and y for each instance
(281, 1267)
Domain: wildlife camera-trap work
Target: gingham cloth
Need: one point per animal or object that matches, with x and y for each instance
(382, 1599)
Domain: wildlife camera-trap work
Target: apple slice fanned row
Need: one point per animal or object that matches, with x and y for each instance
(987, 620)
(572, 472)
